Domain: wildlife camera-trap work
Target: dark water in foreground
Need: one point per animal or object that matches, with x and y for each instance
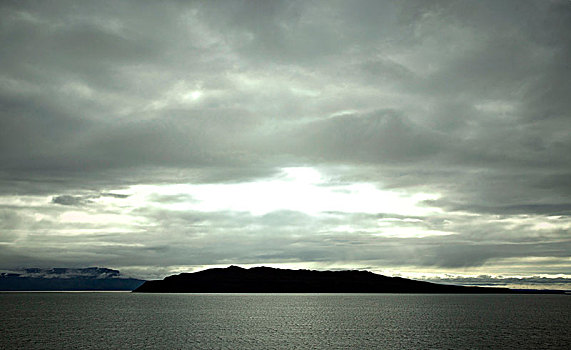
(274, 321)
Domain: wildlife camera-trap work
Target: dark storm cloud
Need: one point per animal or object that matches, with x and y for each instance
(84, 199)
(114, 195)
(467, 100)
(71, 200)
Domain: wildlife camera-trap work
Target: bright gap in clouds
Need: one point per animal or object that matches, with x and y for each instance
(301, 189)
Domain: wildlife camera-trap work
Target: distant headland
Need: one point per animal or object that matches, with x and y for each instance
(67, 279)
(236, 279)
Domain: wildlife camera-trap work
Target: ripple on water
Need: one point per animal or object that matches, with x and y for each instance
(277, 321)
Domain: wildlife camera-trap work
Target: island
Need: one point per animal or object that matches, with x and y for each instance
(235, 279)
(67, 279)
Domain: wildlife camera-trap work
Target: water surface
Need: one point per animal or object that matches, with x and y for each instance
(278, 321)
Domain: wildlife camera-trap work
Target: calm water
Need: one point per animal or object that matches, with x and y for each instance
(273, 321)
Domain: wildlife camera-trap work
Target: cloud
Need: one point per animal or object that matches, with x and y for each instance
(465, 102)
(91, 272)
(71, 200)
(383, 136)
(532, 282)
(114, 195)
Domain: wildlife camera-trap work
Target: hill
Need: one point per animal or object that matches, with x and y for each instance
(235, 279)
(65, 279)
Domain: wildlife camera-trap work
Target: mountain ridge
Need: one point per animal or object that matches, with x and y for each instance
(235, 279)
(67, 279)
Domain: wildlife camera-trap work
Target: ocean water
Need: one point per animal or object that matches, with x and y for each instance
(276, 321)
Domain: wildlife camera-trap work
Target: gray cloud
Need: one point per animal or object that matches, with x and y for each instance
(74, 200)
(71, 200)
(114, 195)
(533, 282)
(467, 100)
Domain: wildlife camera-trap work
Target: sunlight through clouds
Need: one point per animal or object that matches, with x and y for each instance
(297, 189)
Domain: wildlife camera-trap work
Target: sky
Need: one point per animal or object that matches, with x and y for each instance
(425, 139)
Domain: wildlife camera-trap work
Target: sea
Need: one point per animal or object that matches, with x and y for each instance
(283, 321)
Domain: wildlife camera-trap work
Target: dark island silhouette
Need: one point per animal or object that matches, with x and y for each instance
(236, 279)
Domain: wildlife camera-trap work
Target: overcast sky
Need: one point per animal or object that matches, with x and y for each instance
(422, 138)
